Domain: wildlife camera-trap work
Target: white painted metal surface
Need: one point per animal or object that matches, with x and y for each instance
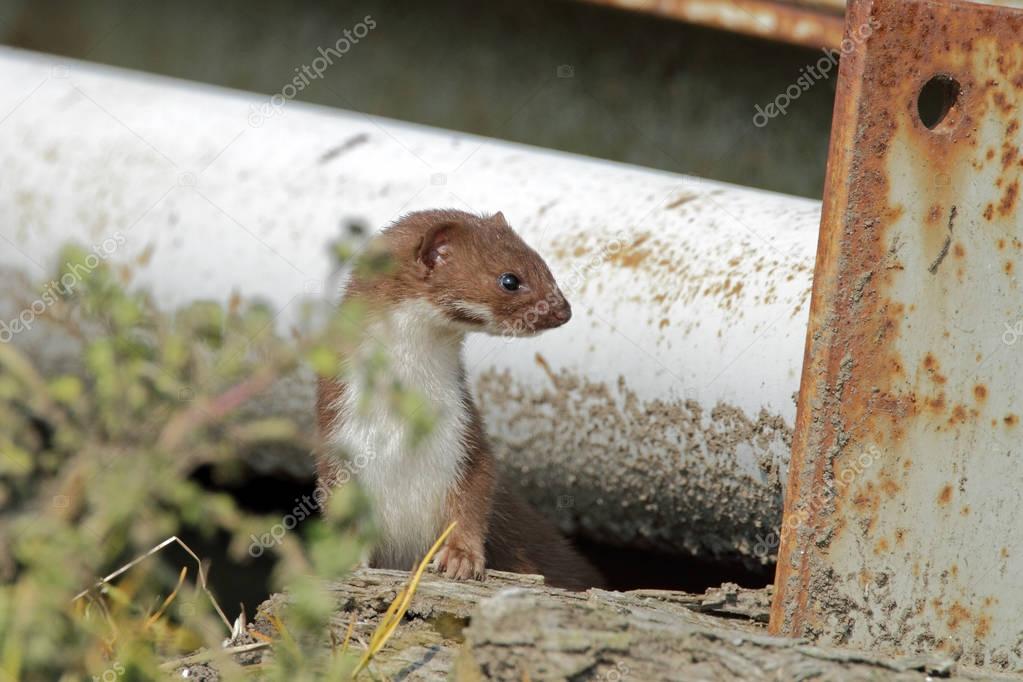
(660, 416)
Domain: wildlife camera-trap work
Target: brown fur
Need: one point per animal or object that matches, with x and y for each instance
(477, 251)
(496, 528)
(328, 393)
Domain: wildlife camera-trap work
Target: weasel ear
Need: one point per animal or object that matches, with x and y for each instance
(435, 247)
(499, 218)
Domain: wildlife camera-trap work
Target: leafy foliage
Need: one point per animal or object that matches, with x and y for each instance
(94, 471)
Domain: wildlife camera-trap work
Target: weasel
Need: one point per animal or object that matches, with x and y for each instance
(448, 273)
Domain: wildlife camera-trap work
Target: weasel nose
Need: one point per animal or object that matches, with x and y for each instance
(563, 313)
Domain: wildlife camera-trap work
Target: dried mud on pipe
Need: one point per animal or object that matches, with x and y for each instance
(660, 474)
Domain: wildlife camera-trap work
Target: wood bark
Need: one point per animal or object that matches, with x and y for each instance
(513, 627)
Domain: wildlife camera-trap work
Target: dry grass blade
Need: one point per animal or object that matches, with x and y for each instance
(170, 598)
(396, 611)
(260, 636)
(137, 560)
(286, 637)
(204, 656)
(348, 634)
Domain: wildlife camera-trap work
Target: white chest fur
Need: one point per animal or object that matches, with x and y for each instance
(407, 485)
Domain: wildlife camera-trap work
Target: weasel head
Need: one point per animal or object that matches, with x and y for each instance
(474, 271)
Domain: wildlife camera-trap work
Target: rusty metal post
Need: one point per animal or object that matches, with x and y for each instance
(811, 23)
(902, 516)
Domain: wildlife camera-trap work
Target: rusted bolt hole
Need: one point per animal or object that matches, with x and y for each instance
(937, 98)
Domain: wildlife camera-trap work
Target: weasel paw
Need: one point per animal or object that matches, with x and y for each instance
(455, 560)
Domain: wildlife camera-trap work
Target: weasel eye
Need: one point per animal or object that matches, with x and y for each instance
(509, 282)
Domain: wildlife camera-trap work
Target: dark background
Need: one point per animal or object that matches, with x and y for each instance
(644, 90)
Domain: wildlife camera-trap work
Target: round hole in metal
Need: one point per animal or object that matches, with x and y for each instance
(937, 98)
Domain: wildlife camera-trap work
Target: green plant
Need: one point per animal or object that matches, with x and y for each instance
(94, 472)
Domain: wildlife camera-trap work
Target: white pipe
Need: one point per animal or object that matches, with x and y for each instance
(660, 416)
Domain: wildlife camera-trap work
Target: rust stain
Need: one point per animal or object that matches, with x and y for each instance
(983, 627)
(945, 496)
(937, 403)
(810, 24)
(1002, 103)
(1010, 154)
(542, 363)
(631, 255)
(1008, 203)
(957, 614)
(980, 392)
